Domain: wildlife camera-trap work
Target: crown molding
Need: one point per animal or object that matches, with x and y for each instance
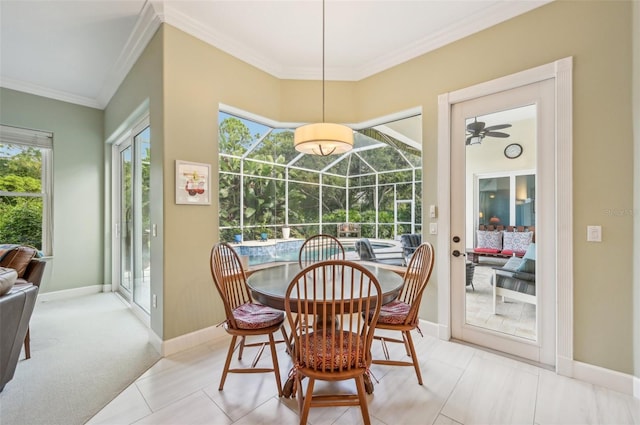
(146, 26)
(23, 86)
(211, 36)
(480, 21)
(148, 22)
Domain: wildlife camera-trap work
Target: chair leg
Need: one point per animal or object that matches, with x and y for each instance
(276, 367)
(304, 402)
(27, 345)
(227, 363)
(241, 348)
(364, 408)
(414, 357)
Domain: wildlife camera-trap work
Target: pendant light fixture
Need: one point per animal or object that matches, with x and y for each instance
(323, 138)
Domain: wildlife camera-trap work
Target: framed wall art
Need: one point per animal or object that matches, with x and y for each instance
(193, 183)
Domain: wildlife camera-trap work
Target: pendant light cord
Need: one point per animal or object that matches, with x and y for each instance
(323, 36)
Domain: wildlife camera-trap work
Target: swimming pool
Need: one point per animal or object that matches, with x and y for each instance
(274, 250)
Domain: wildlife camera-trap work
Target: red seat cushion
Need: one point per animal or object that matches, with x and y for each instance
(257, 316)
(510, 252)
(394, 313)
(317, 352)
(487, 250)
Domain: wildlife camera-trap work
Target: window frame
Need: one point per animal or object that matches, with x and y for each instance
(44, 141)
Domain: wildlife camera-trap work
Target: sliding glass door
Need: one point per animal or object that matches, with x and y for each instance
(132, 220)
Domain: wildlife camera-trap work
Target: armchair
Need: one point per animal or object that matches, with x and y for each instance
(517, 278)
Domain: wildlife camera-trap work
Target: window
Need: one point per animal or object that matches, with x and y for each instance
(265, 184)
(507, 200)
(26, 187)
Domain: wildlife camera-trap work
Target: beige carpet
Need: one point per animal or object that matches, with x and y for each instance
(84, 352)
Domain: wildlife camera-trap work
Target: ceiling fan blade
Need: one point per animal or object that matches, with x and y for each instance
(468, 142)
(475, 127)
(496, 134)
(497, 127)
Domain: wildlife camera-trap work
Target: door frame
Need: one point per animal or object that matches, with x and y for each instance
(126, 138)
(561, 72)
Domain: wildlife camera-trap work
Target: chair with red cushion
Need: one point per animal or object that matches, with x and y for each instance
(244, 317)
(332, 297)
(402, 313)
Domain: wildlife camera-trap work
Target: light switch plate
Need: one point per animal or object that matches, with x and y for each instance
(594, 233)
(433, 228)
(432, 211)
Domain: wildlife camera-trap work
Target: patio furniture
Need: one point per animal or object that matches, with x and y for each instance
(348, 230)
(410, 242)
(244, 317)
(402, 313)
(516, 279)
(331, 296)
(365, 251)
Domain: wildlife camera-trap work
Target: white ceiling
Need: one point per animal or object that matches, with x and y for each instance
(80, 50)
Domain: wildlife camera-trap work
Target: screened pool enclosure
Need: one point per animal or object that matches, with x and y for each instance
(265, 185)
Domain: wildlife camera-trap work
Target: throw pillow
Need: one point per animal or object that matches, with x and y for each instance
(18, 258)
(7, 279)
(488, 239)
(516, 242)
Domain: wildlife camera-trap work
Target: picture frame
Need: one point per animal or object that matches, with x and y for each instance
(193, 183)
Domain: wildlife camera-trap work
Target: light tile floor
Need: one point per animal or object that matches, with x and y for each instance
(462, 385)
(512, 317)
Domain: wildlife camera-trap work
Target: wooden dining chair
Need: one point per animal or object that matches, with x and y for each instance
(402, 313)
(331, 297)
(320, 248)
(244, 318)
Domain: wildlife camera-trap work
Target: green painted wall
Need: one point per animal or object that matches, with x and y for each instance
(78, 164)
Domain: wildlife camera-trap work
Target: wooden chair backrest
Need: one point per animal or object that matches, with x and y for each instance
(320, 248)
(229, 278)
(330, 297)
(416, 279)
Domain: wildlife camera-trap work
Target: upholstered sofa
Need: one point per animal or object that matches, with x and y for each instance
(29, 266)
(16, 307)
(501, 242)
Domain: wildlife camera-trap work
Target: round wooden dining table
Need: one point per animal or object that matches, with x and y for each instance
(269, 284)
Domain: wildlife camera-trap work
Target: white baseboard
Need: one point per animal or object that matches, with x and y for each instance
(617, 381)
(70, 293)
(190, 340)
(636, 387)
(429, 328)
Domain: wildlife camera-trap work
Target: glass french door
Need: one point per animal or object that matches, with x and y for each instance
(494, 189)
(132, 257)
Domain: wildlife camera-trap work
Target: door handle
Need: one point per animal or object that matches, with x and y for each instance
(457, 253)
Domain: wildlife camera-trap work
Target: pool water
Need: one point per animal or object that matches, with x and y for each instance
(290, 252)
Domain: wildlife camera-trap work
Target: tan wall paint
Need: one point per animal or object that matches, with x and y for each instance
(78, 204)
(598, 36)
(198, 78)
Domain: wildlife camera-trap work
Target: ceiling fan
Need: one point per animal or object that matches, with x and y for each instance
(476, 131)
